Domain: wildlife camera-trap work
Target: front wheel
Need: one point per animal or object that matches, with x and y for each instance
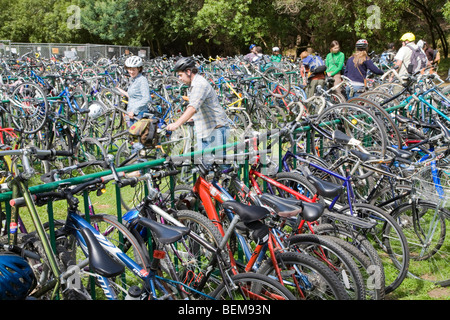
(388, 239)
(252, 286)
(305, 277)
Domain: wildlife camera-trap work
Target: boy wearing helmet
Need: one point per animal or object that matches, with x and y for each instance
(209, 117)
(403, 56)
(138, 91)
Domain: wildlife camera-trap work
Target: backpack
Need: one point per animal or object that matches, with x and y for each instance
(418, 60)
(315, 63)
(145, 132)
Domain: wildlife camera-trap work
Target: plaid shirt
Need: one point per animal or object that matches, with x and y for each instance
(209, 113)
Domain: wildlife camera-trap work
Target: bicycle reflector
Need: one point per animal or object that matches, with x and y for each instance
(158, 254)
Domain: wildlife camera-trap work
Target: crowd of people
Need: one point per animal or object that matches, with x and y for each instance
(356, 66)
(204, 108)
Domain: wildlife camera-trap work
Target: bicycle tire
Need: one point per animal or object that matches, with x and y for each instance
(334, 257)
(321, 282)
(429, 252)
(261, 288)
(375, 276)
(276, 78)
(190, 260)
(353, 120)
(393, 133)
(388, 238)
(28, 107)
(365, 267)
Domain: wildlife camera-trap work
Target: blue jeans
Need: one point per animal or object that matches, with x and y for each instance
(218, 137)
(355, 91)
(137, 117)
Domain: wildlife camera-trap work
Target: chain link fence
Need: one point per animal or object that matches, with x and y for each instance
(70, 50)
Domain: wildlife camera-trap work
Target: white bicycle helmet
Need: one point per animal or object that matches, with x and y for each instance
(95, 110)
(275, 49)
(134, 62)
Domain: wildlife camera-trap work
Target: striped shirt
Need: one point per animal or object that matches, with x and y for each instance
(138, 94)
(209, 113)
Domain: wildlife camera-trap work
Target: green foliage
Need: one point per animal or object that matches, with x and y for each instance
(219, 26)
(111, 20)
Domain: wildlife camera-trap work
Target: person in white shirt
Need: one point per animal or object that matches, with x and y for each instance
(403, 56)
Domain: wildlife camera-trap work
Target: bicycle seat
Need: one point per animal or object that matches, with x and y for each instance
(309, 211)
(166, 234)
(400, 153)
(101, 262)
(245, 212)
(363, 156)
(325, 188)
(283, 207)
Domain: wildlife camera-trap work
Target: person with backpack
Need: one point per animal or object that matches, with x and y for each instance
(409, 58)
(357, 66)
(315, 68)
(335, 62)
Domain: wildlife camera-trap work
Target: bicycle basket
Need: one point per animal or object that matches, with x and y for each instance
(432, 184)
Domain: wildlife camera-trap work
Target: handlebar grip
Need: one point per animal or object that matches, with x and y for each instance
(64, 153)
(19, 202)
(171, 173)
(129, 181)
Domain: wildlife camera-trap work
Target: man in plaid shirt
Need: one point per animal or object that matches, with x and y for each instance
(209, 117)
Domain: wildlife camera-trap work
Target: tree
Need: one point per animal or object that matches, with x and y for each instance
(111, 20)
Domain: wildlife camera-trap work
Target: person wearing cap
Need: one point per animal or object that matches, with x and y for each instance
(252, 54)
(138, 91)
(210, 119)
(276, 55)
(357, 66)
(403, 56)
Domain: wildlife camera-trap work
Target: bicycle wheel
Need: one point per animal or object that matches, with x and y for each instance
(190, 260)
(335, 258)
(356, 122)
(392, 131)
(277, 81)
(425, 227)
(90, 149)
(42, 270)
(388, 239)
(252, 286)
(373, 271)
(364, 266)
(28, 107)
(305, 277)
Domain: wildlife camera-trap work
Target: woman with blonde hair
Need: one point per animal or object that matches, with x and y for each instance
(335, 62)
(357, 66)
